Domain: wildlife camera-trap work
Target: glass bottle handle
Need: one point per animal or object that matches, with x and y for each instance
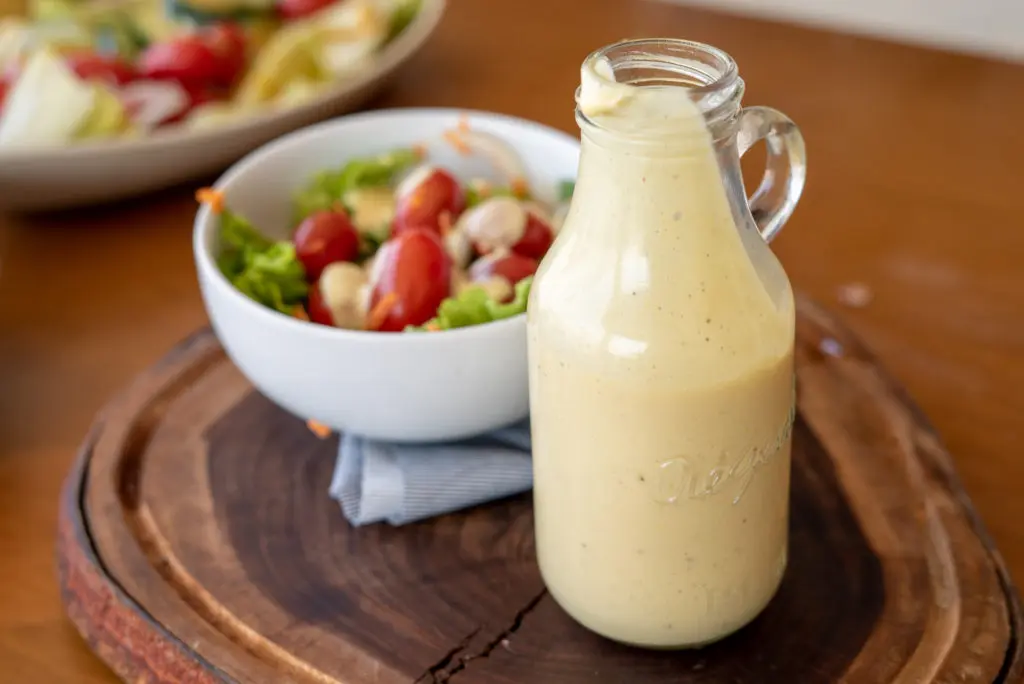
(786, 171)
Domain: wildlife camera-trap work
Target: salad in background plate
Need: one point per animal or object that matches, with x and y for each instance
(86, 70)
(397, 243)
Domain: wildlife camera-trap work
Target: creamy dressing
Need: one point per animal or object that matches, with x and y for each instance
(661, 361)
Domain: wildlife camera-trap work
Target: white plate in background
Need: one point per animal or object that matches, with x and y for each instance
(106, 170)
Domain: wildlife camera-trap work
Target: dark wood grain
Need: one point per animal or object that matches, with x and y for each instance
(199, 544)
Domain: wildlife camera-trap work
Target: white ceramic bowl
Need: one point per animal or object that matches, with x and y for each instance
(101, 171)
(400, 387)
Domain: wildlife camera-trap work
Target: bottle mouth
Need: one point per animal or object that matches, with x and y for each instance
(709, 74)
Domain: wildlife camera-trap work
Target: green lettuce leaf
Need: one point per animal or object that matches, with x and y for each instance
(473, 306)
(117, 33)
(402, 17)
(473, 196)
(327, 188)
(469, 308)
(204, 13)
(267, 272)
(369, 243)
(565, 190)
(322, 192)
(517, 306)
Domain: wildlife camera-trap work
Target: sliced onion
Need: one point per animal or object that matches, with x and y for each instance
(151, 103)
(500, 154)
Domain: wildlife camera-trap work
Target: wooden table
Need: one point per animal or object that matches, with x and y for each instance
(914, 189)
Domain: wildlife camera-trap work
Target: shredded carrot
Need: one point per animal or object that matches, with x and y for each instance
(482, 187)
(318, 429)
(300, 312)
(519, 187)
(380, 311)
(416, 200)
(419, 150)
(444, 222)
(463, 124)
(456, 141)
(432, 327)
(215, 198)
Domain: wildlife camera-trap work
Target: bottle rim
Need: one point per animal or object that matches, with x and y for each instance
(710, 74)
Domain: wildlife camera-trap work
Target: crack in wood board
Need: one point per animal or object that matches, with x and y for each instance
(443, 676)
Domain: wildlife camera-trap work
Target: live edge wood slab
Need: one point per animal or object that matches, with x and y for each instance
(197, 544)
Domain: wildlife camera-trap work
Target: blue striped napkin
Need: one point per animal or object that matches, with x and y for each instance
(401, 483)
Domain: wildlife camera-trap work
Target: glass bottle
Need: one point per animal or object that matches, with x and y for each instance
(661, 331)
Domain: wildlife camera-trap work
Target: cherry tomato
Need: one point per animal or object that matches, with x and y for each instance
(417, 269)
(316, 308)
(197, 96)
(229, 44)
(93, 67)
(322, 239)
(294, 9)
(214, 55)
(4, 87)
(537, 237)
(424, 196)
(511, 266)
(184, 59)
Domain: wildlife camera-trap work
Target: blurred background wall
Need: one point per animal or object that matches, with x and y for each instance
(989, 27)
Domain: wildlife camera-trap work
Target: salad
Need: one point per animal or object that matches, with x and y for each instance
(397, 243)
(90, 69)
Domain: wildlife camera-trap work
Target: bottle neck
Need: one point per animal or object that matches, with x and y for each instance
(657, 119)
(658, 123)
(639, 90)
(670, 191)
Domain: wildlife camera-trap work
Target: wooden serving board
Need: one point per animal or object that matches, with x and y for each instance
(198, 544)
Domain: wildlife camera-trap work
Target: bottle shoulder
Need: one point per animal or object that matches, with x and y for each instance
(667, 322)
